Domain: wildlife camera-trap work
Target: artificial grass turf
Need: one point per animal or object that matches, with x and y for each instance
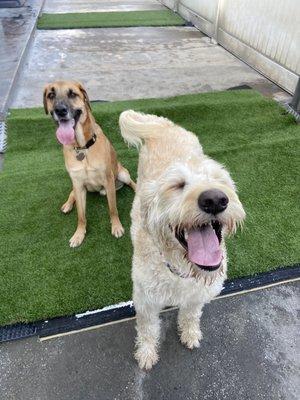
(109, 19)
(41, 277)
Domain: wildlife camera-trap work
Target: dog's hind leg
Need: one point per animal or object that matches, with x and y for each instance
(189, 325)
(148, 332)
(119, 184)
(68, 206)
(124, 177)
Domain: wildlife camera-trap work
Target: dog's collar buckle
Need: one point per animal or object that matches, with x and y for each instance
(80, 155)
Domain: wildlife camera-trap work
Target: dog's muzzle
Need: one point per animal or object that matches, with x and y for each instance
(213, 201)
(202, 245)
(66, 122)
(63, 112)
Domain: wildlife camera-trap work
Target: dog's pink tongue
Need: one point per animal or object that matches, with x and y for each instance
(65, 132)
(203, 247)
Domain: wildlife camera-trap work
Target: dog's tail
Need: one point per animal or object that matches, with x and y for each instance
(136, 126)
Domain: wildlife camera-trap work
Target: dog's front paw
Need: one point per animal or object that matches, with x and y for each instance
(77, 239)
(146, 357)
(191, 338)
(117, 229)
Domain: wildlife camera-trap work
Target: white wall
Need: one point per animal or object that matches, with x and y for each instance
(263, 33)
(205, 8)
(202, 13)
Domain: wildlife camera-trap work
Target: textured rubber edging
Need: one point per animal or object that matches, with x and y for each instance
(3, 137)
(72, 323)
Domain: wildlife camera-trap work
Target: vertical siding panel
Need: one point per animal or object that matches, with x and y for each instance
(267, 26)
(271, 27)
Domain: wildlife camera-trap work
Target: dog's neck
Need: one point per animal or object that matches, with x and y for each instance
(84, 132)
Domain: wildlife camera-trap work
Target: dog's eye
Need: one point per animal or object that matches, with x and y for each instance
(72, 94)
(178, 186)
(51, 95)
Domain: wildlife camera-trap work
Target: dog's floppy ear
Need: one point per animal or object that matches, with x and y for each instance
(45, 99)
(85, 95)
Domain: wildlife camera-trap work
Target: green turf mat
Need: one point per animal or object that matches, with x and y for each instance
(41, 277)
(109, 19)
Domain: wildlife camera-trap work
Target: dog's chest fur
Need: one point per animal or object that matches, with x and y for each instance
(91, 174)
(156, 281)
(92, 177)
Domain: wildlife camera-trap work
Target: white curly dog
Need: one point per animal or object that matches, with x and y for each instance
(184, 206)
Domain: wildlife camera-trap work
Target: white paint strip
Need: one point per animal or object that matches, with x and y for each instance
(90, 328)
(111, 307)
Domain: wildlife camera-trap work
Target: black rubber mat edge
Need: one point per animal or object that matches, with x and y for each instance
(240, 87)
(71, 323)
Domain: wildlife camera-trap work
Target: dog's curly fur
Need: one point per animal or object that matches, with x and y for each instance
(173, 171)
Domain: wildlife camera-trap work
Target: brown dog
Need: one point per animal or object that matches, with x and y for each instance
(90, 159)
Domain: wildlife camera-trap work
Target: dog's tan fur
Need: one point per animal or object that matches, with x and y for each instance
(99, 171)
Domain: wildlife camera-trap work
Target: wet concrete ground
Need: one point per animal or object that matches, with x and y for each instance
(250, 351)
(73, 6)
(129, 63)
(114, 64)
(16, 27)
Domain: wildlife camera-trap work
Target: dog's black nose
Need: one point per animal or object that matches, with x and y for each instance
(61, 110)
(213, 201)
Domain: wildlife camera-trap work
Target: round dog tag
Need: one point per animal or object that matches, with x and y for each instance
(80, 156)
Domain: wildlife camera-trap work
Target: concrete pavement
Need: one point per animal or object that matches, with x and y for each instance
(75, 6)
(130, 63)
(249, 351)
(114, 64)
(16, 27)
